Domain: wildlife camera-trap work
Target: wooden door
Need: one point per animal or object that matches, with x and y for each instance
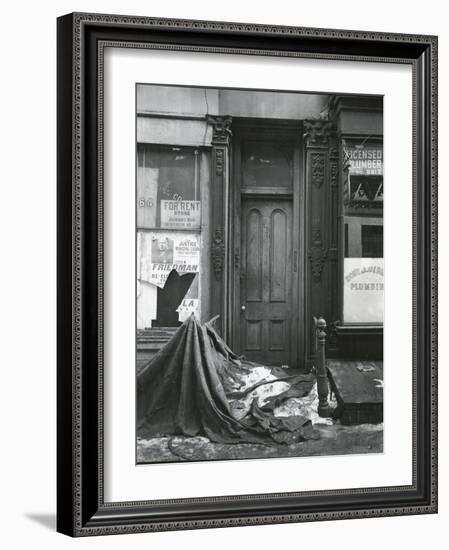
(266, 281)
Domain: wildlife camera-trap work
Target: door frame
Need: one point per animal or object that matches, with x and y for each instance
(292, 132)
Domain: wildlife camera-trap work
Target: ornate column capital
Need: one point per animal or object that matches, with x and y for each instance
(221, 129)
(317, 132)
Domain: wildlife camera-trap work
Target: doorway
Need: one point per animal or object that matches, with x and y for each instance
(266, 277)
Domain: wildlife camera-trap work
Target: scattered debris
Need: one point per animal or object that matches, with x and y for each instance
(199, 401)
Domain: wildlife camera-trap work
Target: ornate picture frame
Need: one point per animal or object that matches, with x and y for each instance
(82, 509)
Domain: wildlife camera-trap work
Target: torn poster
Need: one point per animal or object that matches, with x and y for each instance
(162, 252)
(190, 303)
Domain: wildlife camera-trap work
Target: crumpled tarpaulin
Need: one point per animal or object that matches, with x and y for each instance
(185, 388)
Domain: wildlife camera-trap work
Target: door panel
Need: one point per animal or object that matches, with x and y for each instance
(254, 255)
(266, 281)
(278, 253)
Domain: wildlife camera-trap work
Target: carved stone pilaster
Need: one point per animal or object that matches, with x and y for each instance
(317, 254)
(221, 129)
(322, 181)
(218, 252)
(221, 135)
(333, 161)
(317, 169)
(317, 132)
(219, 247)
(219, 160)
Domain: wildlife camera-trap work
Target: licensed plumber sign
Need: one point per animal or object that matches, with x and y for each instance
(363, 290)
(181, 214)
(365, 160)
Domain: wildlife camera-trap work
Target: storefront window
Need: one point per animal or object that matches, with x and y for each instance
(363, 293)
(372, 241)
(168, 188)
(168, 234)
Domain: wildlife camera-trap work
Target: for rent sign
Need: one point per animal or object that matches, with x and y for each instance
(181, 214)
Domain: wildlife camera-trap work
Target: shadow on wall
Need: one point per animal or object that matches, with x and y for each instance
(46, 520)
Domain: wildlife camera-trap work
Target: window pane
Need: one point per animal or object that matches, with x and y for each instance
(266, 164)
(169, 233)
(168, 188)
(372, 241)
(363, 294)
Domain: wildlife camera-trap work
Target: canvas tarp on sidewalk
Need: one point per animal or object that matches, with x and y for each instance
(181, 391)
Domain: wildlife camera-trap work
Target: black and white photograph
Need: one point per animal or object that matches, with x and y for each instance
(259, 273)
(220, 329)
